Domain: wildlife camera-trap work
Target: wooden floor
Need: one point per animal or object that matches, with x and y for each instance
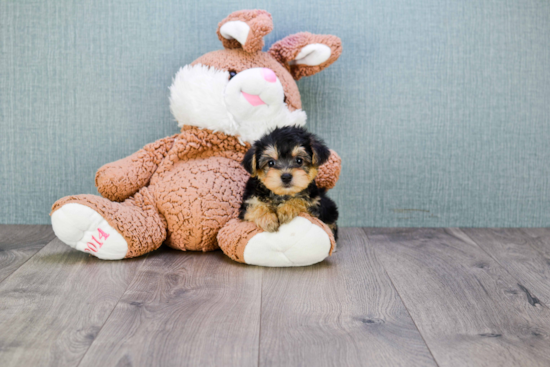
(388, 297)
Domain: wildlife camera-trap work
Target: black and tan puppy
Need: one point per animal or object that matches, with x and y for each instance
(283, 166)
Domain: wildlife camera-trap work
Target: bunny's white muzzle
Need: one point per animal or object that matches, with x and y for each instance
(248, 105)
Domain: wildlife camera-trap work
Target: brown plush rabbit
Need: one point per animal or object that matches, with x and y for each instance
(185, 190)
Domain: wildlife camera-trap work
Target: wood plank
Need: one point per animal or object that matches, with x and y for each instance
(18, 243)
(341, 312)
(54, 305)
(540, 239)
(184, 309)
(512, 249)
(469, 309)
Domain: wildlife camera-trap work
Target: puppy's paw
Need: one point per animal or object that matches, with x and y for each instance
(290, 210)
(286, 214)
(261, 214)
(268, 222)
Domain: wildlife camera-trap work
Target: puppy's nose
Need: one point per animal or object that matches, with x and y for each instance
(286, 177)
(269, 75)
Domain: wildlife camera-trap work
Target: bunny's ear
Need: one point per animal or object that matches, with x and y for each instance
(245, 29)
(305, 54)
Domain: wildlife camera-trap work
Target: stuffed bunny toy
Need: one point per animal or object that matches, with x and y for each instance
(185, 190)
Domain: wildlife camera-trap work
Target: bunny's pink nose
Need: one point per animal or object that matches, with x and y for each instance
(269, 75)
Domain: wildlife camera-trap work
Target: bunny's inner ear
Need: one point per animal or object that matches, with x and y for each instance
(235, 30)
(312, 55)
(305, 54)
(245, 29)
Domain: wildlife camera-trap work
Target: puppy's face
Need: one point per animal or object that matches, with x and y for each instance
(286, 170)
(286, 160)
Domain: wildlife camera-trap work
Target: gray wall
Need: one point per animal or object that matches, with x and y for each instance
(440, 109)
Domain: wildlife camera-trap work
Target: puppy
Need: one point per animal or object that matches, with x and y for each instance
(283, 165)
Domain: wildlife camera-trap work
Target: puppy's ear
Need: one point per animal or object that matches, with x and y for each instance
(321, 153)
(249, 161)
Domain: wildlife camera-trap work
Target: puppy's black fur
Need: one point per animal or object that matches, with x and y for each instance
(283, 165)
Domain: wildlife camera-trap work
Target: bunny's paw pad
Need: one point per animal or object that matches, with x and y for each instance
(298, 243)
(84, 229)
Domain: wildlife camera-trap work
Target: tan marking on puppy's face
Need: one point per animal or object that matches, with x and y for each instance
(272, 180)
(271, 153)
(253, 165)
(299, 152)
(302, 175)
(300, 181)
(312, 173)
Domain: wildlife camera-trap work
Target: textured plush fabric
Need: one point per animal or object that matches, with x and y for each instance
(439, 109)
(234, 237)
(137, 219)
(329, 172)
(84, 229)
(195, 189)
(137, 168)
(289, 47)
(193, 186)
(260, 23)
(199, 187)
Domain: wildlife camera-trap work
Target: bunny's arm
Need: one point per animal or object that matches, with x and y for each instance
(119, 180)
(329, 172)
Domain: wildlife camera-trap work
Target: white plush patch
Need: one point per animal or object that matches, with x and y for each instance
(85, 230)
(298, 243)
(197, 98)
(235, 30)
(205, 97)
(312, 55)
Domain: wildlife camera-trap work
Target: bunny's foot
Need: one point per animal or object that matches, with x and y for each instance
(303, 241)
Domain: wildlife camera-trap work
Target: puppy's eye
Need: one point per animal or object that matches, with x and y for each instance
(232, 73)
(271, 163)
(299, 160)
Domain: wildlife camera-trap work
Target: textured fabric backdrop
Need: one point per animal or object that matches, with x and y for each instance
(439, 109)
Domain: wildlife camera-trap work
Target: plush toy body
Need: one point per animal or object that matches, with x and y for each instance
(186, 190)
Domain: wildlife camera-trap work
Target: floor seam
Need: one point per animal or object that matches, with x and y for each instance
(501, 265)
(260, 322)
(114, 308)
(522, 230)
(33, 255)
(401, 298)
